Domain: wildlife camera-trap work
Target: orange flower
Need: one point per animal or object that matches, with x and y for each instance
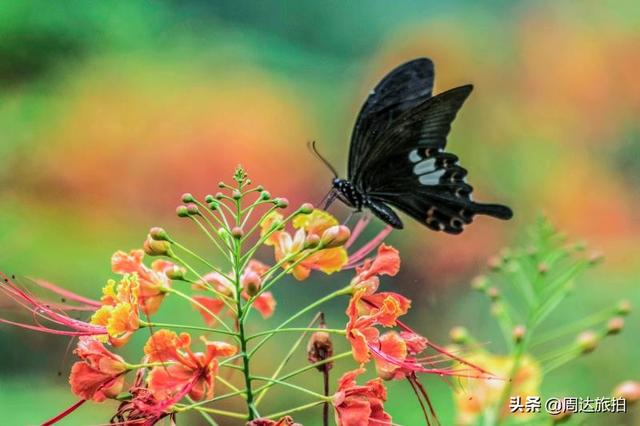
(119, 310)
(367, 308)
(318, 227)
(100, 374)
(186, 372)
(360, 405)
(153, 281)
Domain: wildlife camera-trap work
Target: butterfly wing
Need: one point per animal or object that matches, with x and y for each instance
(403, 88)
(409, 169)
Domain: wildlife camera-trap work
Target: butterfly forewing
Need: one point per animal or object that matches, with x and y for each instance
(402, 89)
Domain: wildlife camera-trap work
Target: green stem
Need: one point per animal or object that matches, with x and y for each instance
(200, 305)
(187, 327)
(300, 388)
(288, 330)
(287, 357)
(237, 270)
(294, 410)
(341, 292)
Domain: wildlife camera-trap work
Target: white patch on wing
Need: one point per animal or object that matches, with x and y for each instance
(431, 178)
(414, 157)
(425, 166)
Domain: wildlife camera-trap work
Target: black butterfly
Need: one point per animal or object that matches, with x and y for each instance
(397, 155)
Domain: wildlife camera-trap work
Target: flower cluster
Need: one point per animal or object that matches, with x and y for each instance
(178, 372)
(543, 273)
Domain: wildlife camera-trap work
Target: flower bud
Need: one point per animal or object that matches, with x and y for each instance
(158, 234)
(156, 248)
(236, 195)
(221, 184)
(311, 241)
(459, 335)
(265, 195)
(629, 390)
(306, 208)
(494, 263)
(188, 198)
(251, 282)
(335, 236)
(587, 341)
(237, 232)
(615, 325)
(176, 273)
(623, 308)
(596, 257)
(320, 348)
(208, 198)
(282, 203)
(479, 283)
(518, 332)
(260, 188)
(192, 209)
(219, 195)
(181, 211)
(214, 205)
(493, 293)
(543, 268)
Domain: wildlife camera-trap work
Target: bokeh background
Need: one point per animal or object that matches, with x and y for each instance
(110, 110)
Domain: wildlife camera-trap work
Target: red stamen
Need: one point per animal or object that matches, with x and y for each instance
(64, 414)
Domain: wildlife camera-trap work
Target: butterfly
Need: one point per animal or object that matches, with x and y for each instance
(397, 157)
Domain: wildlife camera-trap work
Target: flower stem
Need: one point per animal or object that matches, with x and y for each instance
(341, 292)
(187, 327)
(294, 410)
(287, 330)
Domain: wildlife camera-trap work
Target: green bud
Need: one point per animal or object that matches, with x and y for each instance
(459, 335)
(208, 198)
(587, 341)
(236, 232)
(480, 283)
(282, 203)
(236, 194)
(615, 325)
(306, 208)
(182, 211)
(518, 333)
(264, 195)
(188, 198)
(176, 273)
(623, 308)
(158, 234)
(192, 209)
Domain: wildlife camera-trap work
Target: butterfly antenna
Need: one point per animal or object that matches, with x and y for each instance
(314, 150)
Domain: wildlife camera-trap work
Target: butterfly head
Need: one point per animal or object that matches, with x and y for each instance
(348, 193)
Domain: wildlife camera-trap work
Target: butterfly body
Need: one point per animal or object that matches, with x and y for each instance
(397, 156)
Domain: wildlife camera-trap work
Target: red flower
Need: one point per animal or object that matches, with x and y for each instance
(360, 405)
(100, 374)
(153, 281)
(367, 309)
(185, 372)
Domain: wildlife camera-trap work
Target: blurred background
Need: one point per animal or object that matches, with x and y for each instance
(109, 111)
